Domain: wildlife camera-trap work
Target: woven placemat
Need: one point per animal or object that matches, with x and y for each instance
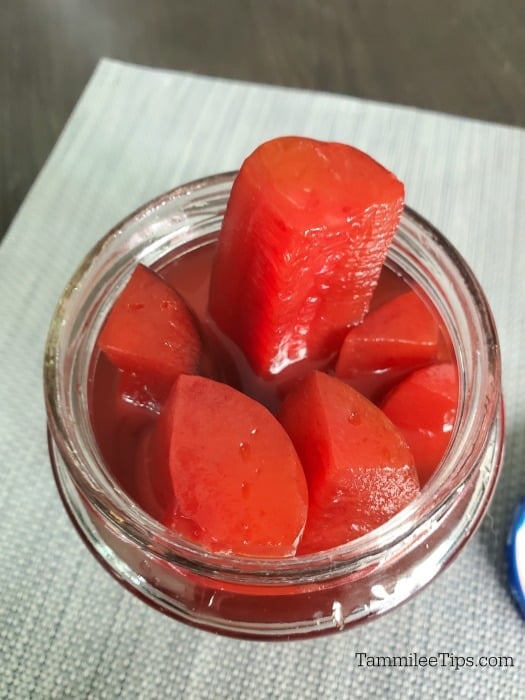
(66, 628)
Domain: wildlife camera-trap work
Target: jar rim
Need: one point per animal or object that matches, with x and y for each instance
(463, 308)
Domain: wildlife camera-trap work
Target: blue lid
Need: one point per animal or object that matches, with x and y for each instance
(516, 556)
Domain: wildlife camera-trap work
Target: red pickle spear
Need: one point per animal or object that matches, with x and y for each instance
(305, 234)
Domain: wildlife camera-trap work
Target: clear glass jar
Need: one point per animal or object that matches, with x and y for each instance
(292, 597)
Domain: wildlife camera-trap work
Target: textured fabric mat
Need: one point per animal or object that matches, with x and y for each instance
(67, 629)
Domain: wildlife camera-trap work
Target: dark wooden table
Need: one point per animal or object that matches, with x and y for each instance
(461, 56)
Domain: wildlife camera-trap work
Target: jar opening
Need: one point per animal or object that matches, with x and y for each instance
(190, 216)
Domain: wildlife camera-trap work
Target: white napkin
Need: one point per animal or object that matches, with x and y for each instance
(66, 628)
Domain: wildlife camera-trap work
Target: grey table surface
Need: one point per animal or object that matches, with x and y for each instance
(465, 57)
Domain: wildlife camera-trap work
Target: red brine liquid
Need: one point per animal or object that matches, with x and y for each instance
(123, 409)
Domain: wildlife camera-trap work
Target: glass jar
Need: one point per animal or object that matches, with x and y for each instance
(258, 598)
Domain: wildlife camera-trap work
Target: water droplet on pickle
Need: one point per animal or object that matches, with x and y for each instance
(354, 418)
(135, 306)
